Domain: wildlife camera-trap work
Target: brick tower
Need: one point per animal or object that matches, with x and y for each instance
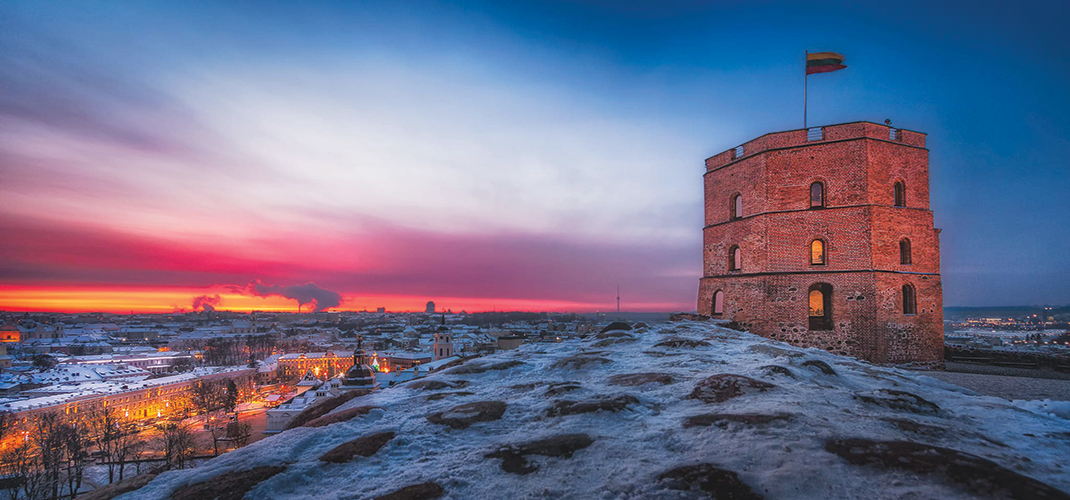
(823, 238)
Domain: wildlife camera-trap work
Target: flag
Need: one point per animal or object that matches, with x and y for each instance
(823, 62)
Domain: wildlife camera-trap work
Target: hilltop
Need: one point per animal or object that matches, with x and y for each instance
(674, 410)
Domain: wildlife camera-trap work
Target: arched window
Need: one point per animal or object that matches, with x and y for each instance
(820, 305)
(735, 259)
(817, 252)
(910, 300)
(718, 302)
(817, 195)
(737, 206)
(904, 251)
(900, 194)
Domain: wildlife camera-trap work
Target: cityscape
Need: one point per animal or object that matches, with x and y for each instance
(555, 249)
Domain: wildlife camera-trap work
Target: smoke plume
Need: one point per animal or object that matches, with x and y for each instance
(308, 293)
(206, 303)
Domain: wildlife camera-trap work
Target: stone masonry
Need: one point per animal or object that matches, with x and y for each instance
(862, 229)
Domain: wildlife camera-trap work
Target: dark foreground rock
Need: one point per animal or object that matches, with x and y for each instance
(462, 416)
(566, 407)
(229, 486)
(364, 446)
(724, 386)
(974, 474)
(637, 379)
(821, 366)
(115, 489)
(677, 343)
(898, 400)
(434, 384)
(580, 361)
(616, 325)
(324, 408)
(558, 388)
(340, 416)
(563, 446)
(473, 368)
(777, 370)
(422, 491)
(723, 419)
(719, 483)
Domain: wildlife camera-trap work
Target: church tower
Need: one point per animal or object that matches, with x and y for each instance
(823, 237)
(443, 344)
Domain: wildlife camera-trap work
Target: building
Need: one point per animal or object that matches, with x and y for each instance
(324, 364)
(430, 307)
(443, 344)
(823, 238)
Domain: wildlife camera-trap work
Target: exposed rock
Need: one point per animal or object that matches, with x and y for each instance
(443, 395)
(228, 486)
(462, 416)
(324, 408)
(579, 361)
(470, 369)
(616, 325)
(563, 446)
(678, 342)
(559, 388)
(613, 334)
(724, 386)
(117, 488)
(339, 416)
(422, 491)
(566, 407)
(617, 340)
(898, 400)
(637, 379)
(640, 325)
(974, 474)
(916, 427)
(661, 354)
(435, 384)
(364, 446)
(719, 483)
(820, 365)
(777, 370)
(723, 419)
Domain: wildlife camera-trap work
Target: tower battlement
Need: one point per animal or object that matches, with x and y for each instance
(823, 237)
(809, 136)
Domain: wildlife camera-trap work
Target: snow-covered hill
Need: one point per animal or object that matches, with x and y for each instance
(658, 412)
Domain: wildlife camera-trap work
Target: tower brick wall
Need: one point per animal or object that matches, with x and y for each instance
(861, 278)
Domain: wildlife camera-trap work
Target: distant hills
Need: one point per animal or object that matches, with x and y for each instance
(1003, 311)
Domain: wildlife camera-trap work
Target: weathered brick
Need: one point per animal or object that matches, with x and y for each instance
(858, 164)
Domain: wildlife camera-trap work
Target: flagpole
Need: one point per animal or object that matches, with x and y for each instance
(805, 80)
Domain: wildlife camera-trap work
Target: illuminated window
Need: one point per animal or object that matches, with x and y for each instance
(735, 259)
(817, 195)
(910, 300)
(737, 207)
(820, 305)
(718, 302)
(900, 194)
(817, 252)
(904, 251)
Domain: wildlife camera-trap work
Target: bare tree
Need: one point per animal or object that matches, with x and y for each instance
(49, 440)
(178, 446)
(104, 427)
(76, 449)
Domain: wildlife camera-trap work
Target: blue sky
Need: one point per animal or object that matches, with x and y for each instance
(478, 152)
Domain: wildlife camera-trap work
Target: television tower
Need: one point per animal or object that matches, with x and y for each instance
(618, 299)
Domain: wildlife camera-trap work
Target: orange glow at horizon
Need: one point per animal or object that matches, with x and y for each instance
(166, 300)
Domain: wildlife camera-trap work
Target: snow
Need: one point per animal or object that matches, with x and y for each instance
(784, 459)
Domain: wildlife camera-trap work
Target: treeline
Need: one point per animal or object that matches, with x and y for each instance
(46, 457)
(498, 318)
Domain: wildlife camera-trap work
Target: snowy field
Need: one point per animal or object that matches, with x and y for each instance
(778, 438)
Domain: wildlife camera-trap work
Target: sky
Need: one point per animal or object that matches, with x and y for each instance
(489, 155)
